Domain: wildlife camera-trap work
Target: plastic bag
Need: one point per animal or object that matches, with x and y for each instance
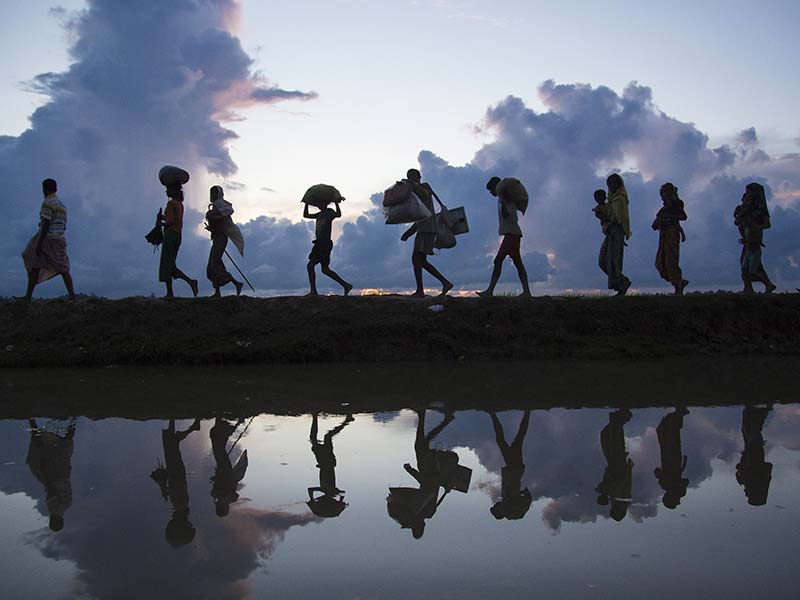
(398, 193)
(410, 211)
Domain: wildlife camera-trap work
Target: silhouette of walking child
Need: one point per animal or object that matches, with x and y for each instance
(323, 246)
(331, 503)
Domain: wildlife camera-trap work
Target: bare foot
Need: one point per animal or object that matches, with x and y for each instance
(748, 291)
(193, 285)
(446, 287)
(525, 294)
(311, 295)
(771, 287)
(485, 293)
(238, 285)
(417, 295)
(347, 289)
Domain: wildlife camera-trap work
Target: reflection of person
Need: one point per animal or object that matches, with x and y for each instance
(753, 471)
(50, 461)
(46, 254)
(411, 507)
(331, 503)
(425, 239)
(515, 501)
(226, 478)
(673, 460)
(617, 477)
(171, 478)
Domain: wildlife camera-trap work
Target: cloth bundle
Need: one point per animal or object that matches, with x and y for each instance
(321, 195)
(511, 190)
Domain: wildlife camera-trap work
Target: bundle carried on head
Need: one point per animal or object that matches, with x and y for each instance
(172, 177)
(321, 195)
(512, 191)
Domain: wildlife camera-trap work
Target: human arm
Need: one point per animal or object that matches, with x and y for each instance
(412, 471)
(308, 215)
(338, 210)
(409, 232)
(311, 491)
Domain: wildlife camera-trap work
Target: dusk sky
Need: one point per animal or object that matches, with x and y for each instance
(353, 93)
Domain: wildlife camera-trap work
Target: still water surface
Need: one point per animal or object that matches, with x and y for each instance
(557, 503)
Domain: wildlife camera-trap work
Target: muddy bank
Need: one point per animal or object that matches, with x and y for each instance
(190, 392)
(144, 331)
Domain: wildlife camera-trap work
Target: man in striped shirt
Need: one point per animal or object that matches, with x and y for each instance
(45, 256)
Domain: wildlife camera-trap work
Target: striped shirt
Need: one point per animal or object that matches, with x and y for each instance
(54, 211)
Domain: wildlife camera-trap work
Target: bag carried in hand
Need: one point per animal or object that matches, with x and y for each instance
(511, 190)
(321, 195)
(156, 235)
(445, 238)
(171, 176)
(399, 193)
(410, 211)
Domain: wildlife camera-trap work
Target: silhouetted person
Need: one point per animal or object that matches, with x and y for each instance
(617, 477)
(425, 239)
(50, 461)
(670, 235)
(171, 478)
(752, 218)
(617, 231)
(600, 211)
(753, 471)
(515, 501)
(226, 478)
(173, 232)
(45, 256)
(323, 246)
(511, 232)
(411, 507)
(331, 501)
(673, 460)
(222, 228)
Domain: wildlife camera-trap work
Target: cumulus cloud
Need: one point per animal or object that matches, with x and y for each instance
(150, 84)
(564, 153)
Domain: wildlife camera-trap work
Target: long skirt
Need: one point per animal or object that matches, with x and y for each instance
(602, 259)
(615, 238)
(752, 267)
(215, 271)
(668, 256)
(52, 261)
(169, 255)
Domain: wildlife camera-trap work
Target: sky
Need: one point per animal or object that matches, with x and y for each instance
(353, 93)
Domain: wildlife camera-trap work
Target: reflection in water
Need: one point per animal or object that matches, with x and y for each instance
(753, 471)
(331, 503)
(50, 461)
(617, 477)
(171, 478)
(226, 478)
(673, 460)
(515, 501)
(410, 507)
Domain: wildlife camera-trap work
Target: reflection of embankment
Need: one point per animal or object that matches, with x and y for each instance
(388, 329)
(164, 393)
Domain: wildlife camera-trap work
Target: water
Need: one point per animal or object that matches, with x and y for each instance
(138, 524)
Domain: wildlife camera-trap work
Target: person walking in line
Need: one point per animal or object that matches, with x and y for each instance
(752, 218)
(670, 235)
(222, 229)
(425, 239)
(173, 230)
(45, 256)
(512, 236)
(618, 230)
(50, 461)
(323, 246)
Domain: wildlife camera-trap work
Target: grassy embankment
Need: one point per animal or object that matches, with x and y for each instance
(142, 331)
